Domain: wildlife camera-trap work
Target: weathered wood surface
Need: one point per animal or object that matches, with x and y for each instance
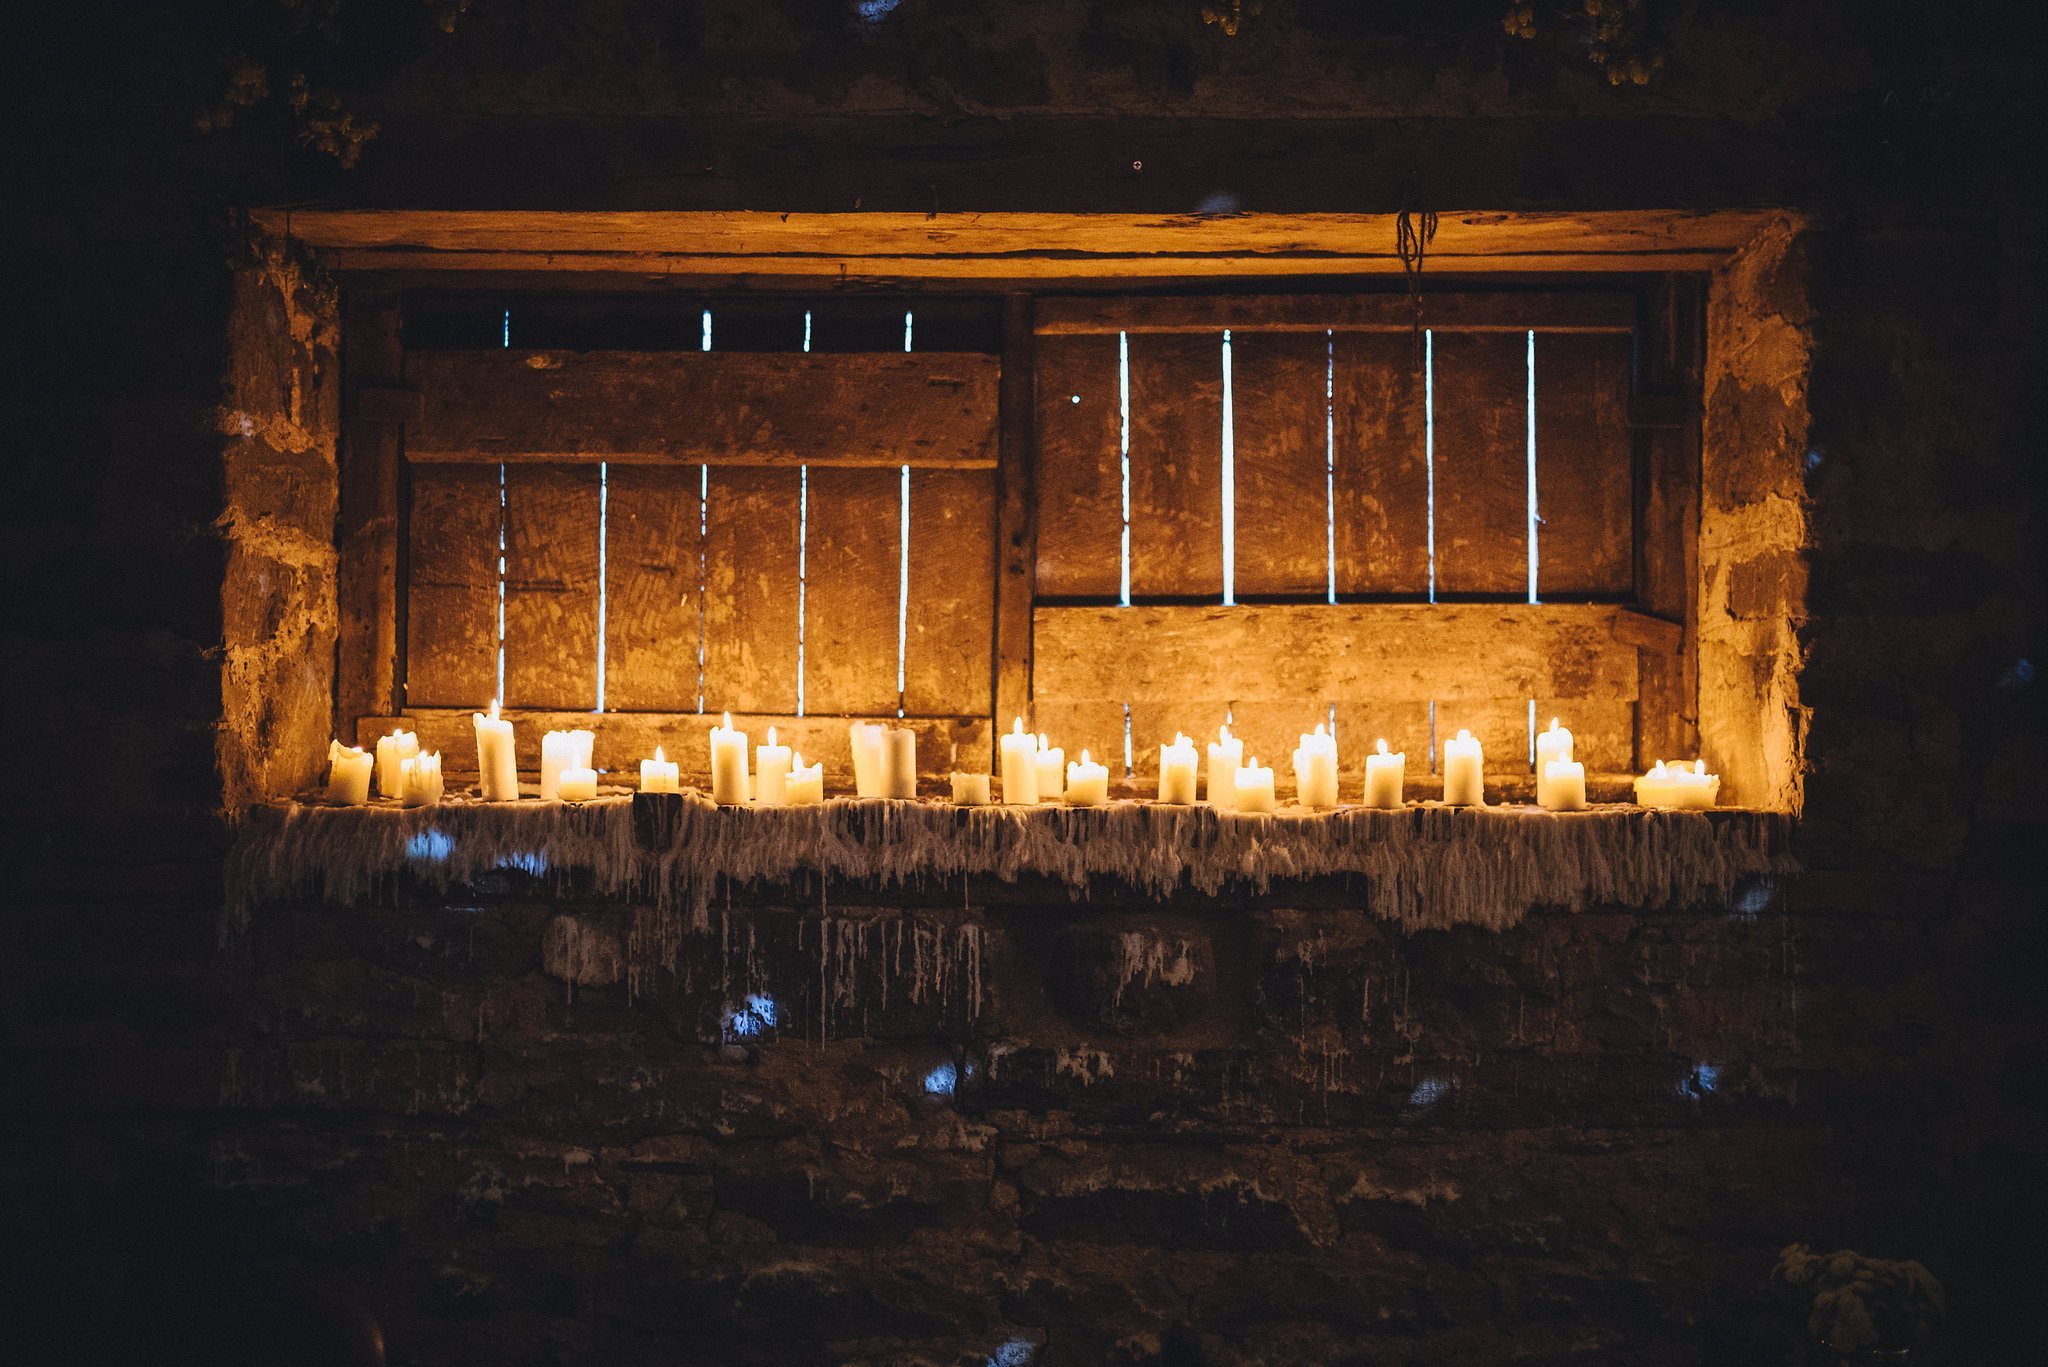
(1481, 463)
(750, 590)
(367, 531)
(1177, 464)
(1667, 522)
(1560, 311)
(1382, 502)
(948, 648)
(451, 654)
(1016, 511)
(653, 556)
(850, 607)
(1079, 475)
(1585, 468)
(623, 739)
(729, 408)
(1281, 430)
(551, 586)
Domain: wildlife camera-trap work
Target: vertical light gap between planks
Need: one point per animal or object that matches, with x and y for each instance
(1229, 484)
(1127, 743)
(1330, 468)
(1123, 378)
(603, 518)
(803, 532)
(1432, 735)
(703, 541)
(505, 338)
(903, 563)
(1529, 408)
(1429, 465)
(1532, 736)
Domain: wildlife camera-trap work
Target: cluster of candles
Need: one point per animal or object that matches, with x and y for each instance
(1033, 771)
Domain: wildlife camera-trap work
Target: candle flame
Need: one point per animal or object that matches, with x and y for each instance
(1383, 745)
(728, 721)
(796, 760)
(771, 735)
(494, 709)
(1084, 757)
(1043, 743)
(1463, 734)
(1699, 766)
(1017, 728)
(658, 756)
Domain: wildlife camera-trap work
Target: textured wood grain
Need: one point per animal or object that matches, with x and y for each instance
(1390, 312)
(732, 408)
(850, 607)
(368, 527)
(1382, 502)
(1584, 466)
(949, 649)
(452, 595)
(652, 560)
(750, 590)
(1482, 503)
(1016, 512)
(1177, 465)
(1079, 472)
(1281, 427)
(551, 586)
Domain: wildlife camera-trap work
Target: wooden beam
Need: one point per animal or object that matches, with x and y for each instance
(1669, 355)
(367, 534)
(720, 408)
(1550, 311)
(1016, 513)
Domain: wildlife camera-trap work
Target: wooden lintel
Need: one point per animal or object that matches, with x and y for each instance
(1655, 634)
(1551, 311)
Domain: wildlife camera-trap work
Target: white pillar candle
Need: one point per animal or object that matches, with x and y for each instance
(865, 738)
(728, 764)
(660, 774)
(348, 774)
(1315, 770)
(561, 750)
(806, 782)
(497, 766)
(392, 750)
(1554, 744)
(970, 790)
(1020, 767)
(1177, 769)
(1087, 783)
(1384, 775)
(1252, 788)
(1052, 770)
(771, 773)
(1561, 787)
(420, 779)
(1464, 771)
(899, 762)
(1226, 756)
(576, 785)
(1653, 789)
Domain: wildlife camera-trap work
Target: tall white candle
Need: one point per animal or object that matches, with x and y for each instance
(561, 750)
(660, 774)
(391, 751)
(865, 739)
(1087, 783)
(348, 774)
(806, 782)
(1315, 770)
(576, 784)
(1252, 789)
(970, 790)
(771, 773)
(1464, 771)
(497, 765)
(899, 762)
(1384, 775)
(1561, 787)
(420, 777)
(1052, 770)
(728, 764)
(1020, 766)
(1177, 768)
(1226, 755)
(1554, 744)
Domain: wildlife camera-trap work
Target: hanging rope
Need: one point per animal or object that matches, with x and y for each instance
(1413, 233)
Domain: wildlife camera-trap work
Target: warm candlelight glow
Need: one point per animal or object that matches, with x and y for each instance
(1464, 771)
(1087, 783)
(1226, 753)
(1177, 770)
(1252, 788)
(1384, 775)
(1315, 770)
(1020, 766)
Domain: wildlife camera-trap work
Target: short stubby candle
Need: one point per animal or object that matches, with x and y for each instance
(771, 773)
(348, 774)
(660, 774)
(1226, 756)
(806, 782)
(1554, 744)
(970, 790)
(728, 764)
(1676, 787)
(392, 750)
(576, 785)
(1052, 770)
(497, 766)
(1561, 786)
(1087, 783)
(1252, 789)
(864, 738)
(899, 762)
(561, 750)
(1315, 770)
(1020, 767)
(1384, 776)
(1464, 771)
(1177, 769)
(420, 779)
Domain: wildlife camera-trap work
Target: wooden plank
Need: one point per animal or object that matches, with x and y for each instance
(1481, 462)
(451, 654)
(1559, 311)
(1382, 503)
(1281, 429)
(729, 408)
(652, 560)
(1079, 476)
(622, 739)
(1585, 469)
(949, 647)
(551, 586)
(1667, 521)
(1365, 651)
(850, 606)
(1177, 465)
(751, 520)
(367, 529)
(1016, 512)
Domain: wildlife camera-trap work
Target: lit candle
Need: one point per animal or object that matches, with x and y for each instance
(420, 779)
(1177, 768)
(1052, 768)
(561, 750)
(771, 773)
(348, 774)
(497, 768)
(1315, 770)
(660, 774)
(899, 762)
(1226, 754)
(1087, 783)
(1464, 771)
(1674, 786)
(1561, 787)
(806, 782)
(1384, 774)
(1020, 767)
(728, 764)
(970, 790)
(865, 738)
(1252, 787)
(391, 750)
(578, 784)
(1554, 744)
